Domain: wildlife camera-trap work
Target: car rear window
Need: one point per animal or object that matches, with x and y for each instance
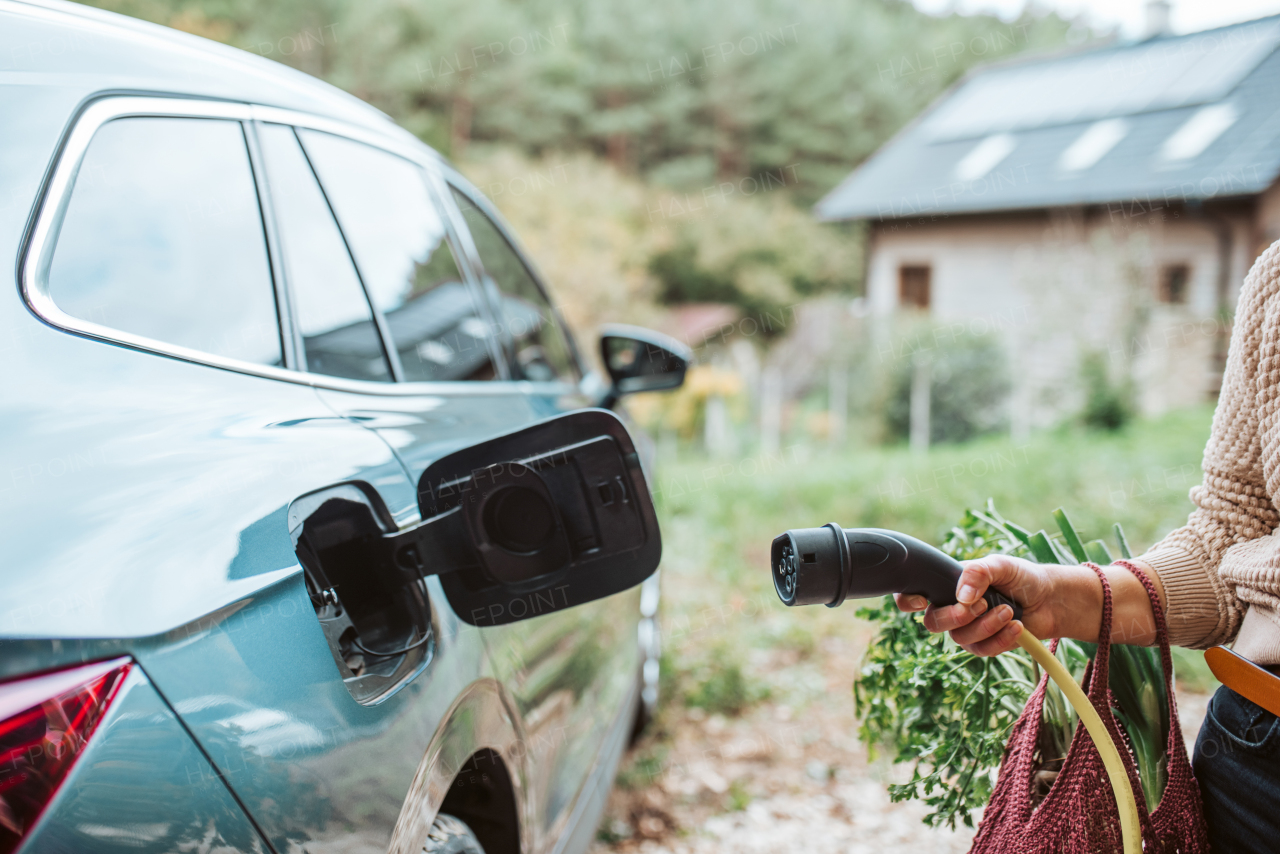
(163, 238)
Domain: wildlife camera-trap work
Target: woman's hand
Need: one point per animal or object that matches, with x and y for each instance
(1049, 595)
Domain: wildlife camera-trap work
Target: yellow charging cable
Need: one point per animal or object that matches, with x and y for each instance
(1125, 802)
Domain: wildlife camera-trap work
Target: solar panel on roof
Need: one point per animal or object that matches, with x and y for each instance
(1156, 75)
(984, 157)
(1092, 145)
(1174, 143)
(1198, 132)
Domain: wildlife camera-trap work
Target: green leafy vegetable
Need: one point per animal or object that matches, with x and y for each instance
(1098, 552)
(932, 704)
(1124, 544)
(1069, 534)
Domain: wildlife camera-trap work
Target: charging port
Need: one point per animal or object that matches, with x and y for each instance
(375, 617)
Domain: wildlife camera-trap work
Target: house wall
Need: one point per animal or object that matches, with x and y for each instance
(1055, 285)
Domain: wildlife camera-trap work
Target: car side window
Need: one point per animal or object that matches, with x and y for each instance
(163, 238)
(339, 337)
(398, 238)
(542, 350)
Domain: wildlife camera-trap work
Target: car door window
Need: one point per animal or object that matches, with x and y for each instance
(163, 238)
(398, 238)
(339, 337)
(542, 349)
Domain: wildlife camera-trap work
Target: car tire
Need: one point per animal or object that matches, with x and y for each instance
(449, 835)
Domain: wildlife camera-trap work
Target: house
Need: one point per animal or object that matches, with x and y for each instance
(1106, 201)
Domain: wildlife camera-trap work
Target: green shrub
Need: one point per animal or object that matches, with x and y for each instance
(761, 255)
(969, 388)
(1108, 404)
(720, 686)
(683, 280)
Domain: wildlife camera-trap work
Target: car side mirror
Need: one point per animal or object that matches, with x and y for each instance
(640, 359)
(541, 519)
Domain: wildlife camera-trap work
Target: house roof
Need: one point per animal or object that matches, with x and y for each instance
(1170, 118)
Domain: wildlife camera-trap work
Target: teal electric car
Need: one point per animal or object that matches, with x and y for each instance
(318, 533)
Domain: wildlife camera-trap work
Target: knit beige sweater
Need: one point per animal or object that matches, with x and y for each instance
(1221, 572)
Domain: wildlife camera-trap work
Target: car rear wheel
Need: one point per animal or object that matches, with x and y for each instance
(449, 835)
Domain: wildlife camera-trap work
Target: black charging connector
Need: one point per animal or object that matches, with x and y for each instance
(827, 565)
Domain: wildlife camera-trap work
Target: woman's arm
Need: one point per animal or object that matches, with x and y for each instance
(1224, 546)
(1057, 602)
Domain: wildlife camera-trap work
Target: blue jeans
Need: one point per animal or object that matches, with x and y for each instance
(1237, 762)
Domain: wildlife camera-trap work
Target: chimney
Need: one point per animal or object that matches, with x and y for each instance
(1157, 23)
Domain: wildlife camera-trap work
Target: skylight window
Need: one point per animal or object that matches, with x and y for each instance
(1198, 132)
(985, 156)
(1090, 146)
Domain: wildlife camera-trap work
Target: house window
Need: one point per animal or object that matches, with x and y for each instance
(1174, 279)
(913, 286)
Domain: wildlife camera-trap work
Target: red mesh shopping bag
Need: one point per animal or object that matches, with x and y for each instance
(1079, 814)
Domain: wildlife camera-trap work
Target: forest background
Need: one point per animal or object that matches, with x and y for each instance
(650, 154)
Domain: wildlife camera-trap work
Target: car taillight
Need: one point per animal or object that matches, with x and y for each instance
(45, 724)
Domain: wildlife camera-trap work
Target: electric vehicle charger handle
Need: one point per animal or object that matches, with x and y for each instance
(827, 565)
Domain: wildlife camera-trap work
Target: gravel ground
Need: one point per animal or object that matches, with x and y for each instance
(776, 780)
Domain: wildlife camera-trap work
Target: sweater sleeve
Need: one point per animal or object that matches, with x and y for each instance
(1234, 510)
